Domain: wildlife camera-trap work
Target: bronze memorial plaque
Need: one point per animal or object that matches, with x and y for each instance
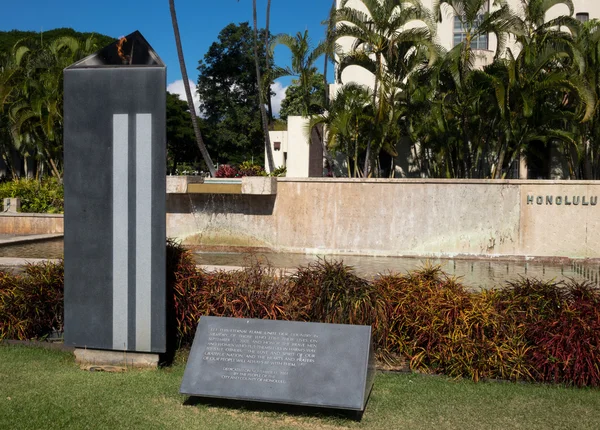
(296, 363)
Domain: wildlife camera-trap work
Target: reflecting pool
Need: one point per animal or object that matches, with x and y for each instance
(473, 273)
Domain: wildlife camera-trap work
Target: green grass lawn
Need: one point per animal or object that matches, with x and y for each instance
(44, 389)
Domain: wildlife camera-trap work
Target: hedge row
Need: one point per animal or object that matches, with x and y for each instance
(530, 330)
(45, 196)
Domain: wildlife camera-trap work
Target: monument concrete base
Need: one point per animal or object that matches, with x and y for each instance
(115, 360)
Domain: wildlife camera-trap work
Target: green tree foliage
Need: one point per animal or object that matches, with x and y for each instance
(463, 119)
(228, 93)
(8, 39)
(303, 68)
(31, 93)
(348, 121)
(295, 98)
(384, 26)
(584, 156)
(45, 196)
(180, 134)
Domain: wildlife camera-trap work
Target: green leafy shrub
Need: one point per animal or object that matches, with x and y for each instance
(279, 172)
(249, 169)
(45, 196)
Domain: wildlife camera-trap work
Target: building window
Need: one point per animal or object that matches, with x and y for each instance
(582, 17)
(460, 32)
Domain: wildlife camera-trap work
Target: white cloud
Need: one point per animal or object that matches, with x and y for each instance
(276, 100)
(177, 87)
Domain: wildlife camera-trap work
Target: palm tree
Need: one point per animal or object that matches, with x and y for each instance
(264, 83)
(329, 51)
(267, 79)
(304, 57)
(459, 63)
(261, 92)
(7, 71)
(532, 25)
(376, 33)
(303, 67)
(35, 113)
(534, 105)
(7, 91)
(547, 82)
(348, 121)
(588, 133)
(188, 93)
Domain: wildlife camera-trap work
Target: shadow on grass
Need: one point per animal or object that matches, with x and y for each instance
(294, 410)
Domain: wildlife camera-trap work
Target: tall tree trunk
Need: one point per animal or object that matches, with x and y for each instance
(329, 42)
(328, 157)
(375, 89)
(8, 164)
(268, 64)
(55, 171)
(261, 104)
(188, 93)
(498, 168)
(326, 86)
(587, 164)
(523, 167)
(466, 162)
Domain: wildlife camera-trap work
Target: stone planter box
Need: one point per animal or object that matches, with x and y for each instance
(252, 185)
(179, 184)
(260, 185)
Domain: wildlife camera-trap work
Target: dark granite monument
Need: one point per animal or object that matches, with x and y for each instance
(115, 227)
(295, 363)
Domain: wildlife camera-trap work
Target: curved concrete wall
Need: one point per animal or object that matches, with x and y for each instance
(411, 217)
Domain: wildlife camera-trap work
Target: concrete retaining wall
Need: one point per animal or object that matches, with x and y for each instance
(410, 217)
(26, 223)
(437, 218)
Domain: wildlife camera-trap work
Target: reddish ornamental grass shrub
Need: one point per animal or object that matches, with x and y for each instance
(254, 292)
(531, 330)
(31, 304)
(244, 169)
(561, 323)
(332, 293)
(442, 328)
(227, 171)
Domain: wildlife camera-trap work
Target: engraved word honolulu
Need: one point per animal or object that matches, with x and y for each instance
(563, 200)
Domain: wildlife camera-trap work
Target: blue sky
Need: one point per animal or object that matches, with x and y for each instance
(199, 23)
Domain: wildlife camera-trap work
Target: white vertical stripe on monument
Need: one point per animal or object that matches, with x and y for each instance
(143, 232)
(120, 197)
